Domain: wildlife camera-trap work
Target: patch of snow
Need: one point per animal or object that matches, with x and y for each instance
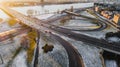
(111, 63)
(44, 17)
(114, 39)
(90, 54)
(3, 15)
(56, 58)
(51, 8)
(20, 60)
(79, 23)
(87, 14)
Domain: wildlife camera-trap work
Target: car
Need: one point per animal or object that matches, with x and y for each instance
(51, 26)
(41, 24)
(47, 31)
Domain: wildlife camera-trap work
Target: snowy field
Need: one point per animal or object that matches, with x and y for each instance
(58, 57)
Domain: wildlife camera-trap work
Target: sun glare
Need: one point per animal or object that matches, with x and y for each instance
(1, 1)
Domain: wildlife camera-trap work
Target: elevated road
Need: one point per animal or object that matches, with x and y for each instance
(38, 26)
(12, 33)
(109, 22)
(100, 23)
(55, 31)
(63, 15)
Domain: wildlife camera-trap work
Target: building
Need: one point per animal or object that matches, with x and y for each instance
(116, 19)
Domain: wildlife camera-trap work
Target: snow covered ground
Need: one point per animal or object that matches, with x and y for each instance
(58, 57)
(50, 8)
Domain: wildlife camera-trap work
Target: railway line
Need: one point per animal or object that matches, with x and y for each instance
(54, 31)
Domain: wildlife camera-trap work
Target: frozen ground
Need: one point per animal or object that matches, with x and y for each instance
(58, 57)
(50, 8)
